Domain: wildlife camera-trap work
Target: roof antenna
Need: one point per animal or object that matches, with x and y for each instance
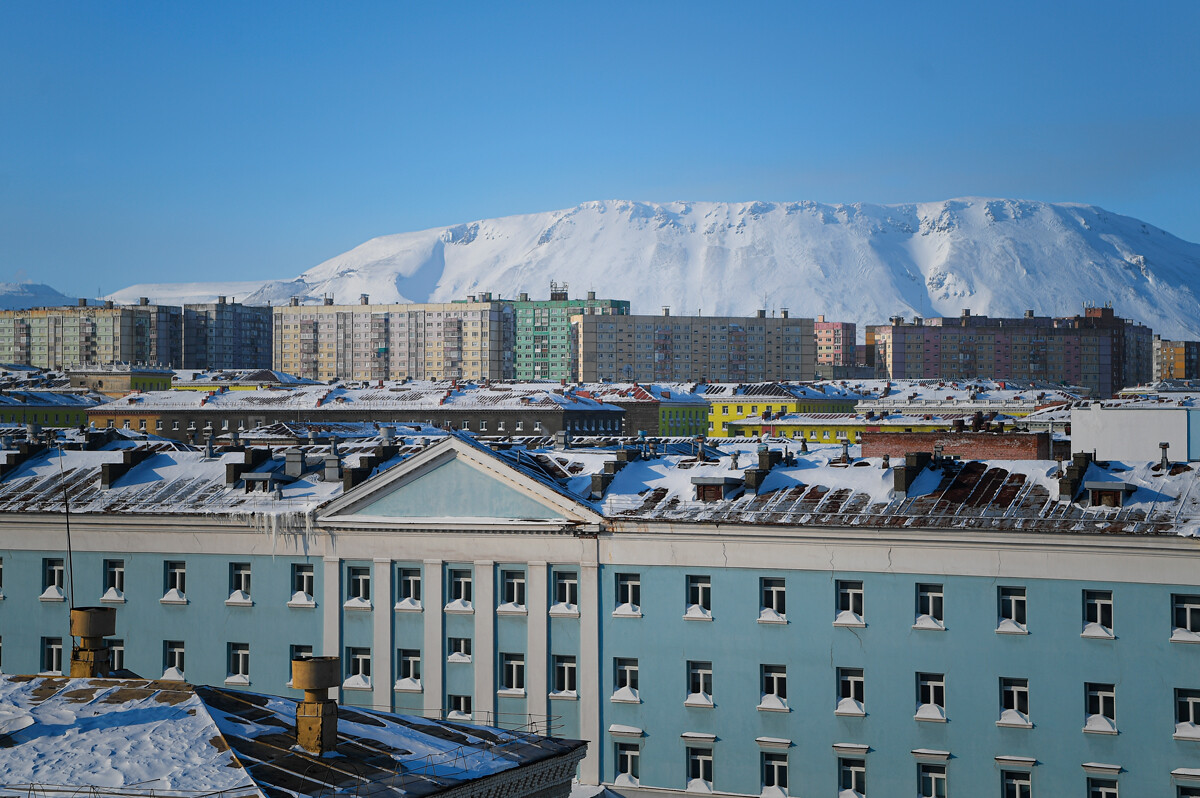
(62, 477)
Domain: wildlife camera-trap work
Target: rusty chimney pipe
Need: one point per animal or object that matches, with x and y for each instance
(316, 715)
(90, 659)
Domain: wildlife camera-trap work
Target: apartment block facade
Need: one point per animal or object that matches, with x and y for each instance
(226, 335)
(62, 337)
(543, 331)
(1176, 360)
(774, 653)
(667, 348)
(835, 342)
(1098, 350)
(454, 340)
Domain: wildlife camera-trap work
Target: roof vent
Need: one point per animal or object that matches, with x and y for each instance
(316, 715)
(89, 659)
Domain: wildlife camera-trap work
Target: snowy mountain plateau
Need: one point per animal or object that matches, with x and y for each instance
(862, 263)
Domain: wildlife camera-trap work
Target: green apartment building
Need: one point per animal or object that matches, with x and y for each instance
(543, 340)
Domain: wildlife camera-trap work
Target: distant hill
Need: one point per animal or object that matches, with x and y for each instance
(18, 296)
(862, 263)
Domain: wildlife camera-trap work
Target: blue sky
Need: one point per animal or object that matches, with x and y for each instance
(151, 141)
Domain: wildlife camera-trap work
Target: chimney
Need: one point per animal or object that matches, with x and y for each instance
(293, 463)
(761, 314)
(333, 468)
(821, 318)
(1029, 314)
(1166, 462)
(143, 301)
(783, 312)
(89, 659)
(364, 299)
(666, 310)
(387, 433)
(523, 297)
(83, 303)
(966, 313)
(108, 304)
(328, 300)
(591, 295)
(316, 715)
(294, 302)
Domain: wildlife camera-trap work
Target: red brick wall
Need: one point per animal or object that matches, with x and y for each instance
(967, 445)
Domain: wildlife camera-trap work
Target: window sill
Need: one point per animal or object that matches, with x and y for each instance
(408, 686)
(622, 700)
(238, 603)
(511, 692)
(1184, 636)
(1013, 724)
(1097, 635)
(460, 658)
(302, 605)
(107, 600)
(1101, 731)
(774, 618)
(930, 626)
(180, 600)
(627, 614)
(565, 695)
(50, 673)
(408, 605)
(357, 689)
(850, 713)
(1011, 631)
(1191, 738)
(237, 681)
(358, 605)
(563, 613)
(851, 624)
(452, 610)
(699, 701)
(773, 708)
(455, 715)
(512, 609)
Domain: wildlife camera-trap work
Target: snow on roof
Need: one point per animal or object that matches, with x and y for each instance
(184, 377)
(964, 391)
(154, 737)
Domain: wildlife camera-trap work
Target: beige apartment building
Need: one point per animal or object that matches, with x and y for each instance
(432, 341)
(690, 348)
(62, 337)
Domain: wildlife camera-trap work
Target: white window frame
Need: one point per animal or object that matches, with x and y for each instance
(1185, 618)
(458, 649)
(174, 582)
(700, 684)
(1014, 702)
(625, 679)
(1187, 714)
(772, 607)
(52, 656)
(174, 658)
(699, 597)
(852, 777)
(1016, 784)
(1012, 610)
(629, 764)
(358, 584)
(850, 603)
(358, 668)
(930, 607)
(1097, 614)
(774, 773)
(459, 707)
(931, 696)
(114, 580)
(460, 586)
(238, 661)
(629, 595)
(566, 676)
(1100, 708)
(239, 583)
(512, 673)
(513, 589)
(931, 781)
(1102, 788)
(773, 687)
(408, 589)
(700, 769)
(851, 691)
(53, 579)
(566, 593)
(408, 668)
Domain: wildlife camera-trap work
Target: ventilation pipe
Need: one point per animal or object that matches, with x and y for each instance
(316, 715)
(90, 659)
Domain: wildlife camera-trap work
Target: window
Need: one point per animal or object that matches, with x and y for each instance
(700, 684)
(629, 764)
(358, 669)
(929, 607)
(358, 587)
(852, 777)
(773, 603)
(700, 769)
(52, 580)
(1102, 788)
(774, 687)
(303, 584)
(625, 678)
(1101, 708)
(699, 598)
(459, 706)
(173, 660)
(408, 589)
(931, 696)
(931, 781)
(114, 580)
(512, 673)
(851, 686)
(1097, 613)
(460, 590)
(1186, 617)
(1012, 611)
(52, 656)
(239, 664)
(514, 589)
(116, 654)
(629, 594)
(849, 603)
(1016, 784)
(1187, 714)
(408, 669)
(774, 773)
(1014, 703)
(239, 583)
(297, 651)
(175, 582)
(566, 592)
(564, 674)
(458, 649)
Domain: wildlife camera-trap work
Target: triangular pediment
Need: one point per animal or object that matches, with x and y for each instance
(457, 483)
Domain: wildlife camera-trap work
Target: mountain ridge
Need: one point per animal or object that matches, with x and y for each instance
(850, 262)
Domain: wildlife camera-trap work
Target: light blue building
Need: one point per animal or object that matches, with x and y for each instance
(788, 628)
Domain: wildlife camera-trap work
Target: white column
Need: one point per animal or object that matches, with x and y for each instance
(590, 687)
(331, 610)
(485, 641)
(432, 657)
(382, 646)
(537, 600)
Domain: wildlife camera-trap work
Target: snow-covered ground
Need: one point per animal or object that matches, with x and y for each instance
(861, 263)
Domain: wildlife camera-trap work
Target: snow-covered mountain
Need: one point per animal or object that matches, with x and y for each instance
(862, 263)
(18, 296)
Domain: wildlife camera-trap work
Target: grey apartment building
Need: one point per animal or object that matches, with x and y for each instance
(692, 348)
